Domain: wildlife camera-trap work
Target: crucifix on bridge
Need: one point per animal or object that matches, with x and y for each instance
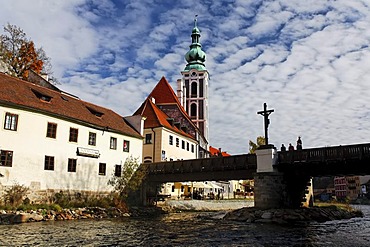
(265, 113)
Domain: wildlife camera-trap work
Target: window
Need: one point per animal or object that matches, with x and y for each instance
(171, 140)
(187, 146)
(118, 170)
(113, 143)
(148, 138)
(72, 164)
(102, 168)
(194, 87)
(192, 148)
(11, 121)
(43, 97)
(92, 139)
(126, 146)
(177, 142)
(94, 112)
(173, 188)
(6, 158)
(73, 135)
(183, 144)
(52, 130)
(193, 110)
(49, 163)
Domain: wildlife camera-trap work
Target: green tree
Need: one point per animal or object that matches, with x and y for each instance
(131, 178)
(254, 146)
(20, 54)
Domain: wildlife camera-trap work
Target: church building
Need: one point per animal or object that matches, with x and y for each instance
(179, 120)
(176, 125)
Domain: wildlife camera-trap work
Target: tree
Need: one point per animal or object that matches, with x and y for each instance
(254, 146)
(130, 178)
(20, 54)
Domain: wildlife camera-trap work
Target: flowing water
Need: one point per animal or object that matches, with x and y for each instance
(186, 229)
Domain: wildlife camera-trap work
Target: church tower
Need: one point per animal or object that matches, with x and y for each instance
(193, 87)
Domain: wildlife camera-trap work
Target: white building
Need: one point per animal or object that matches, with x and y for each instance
(167, 137)
(52, 141)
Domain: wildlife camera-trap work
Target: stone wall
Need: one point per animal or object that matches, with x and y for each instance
(269, 190)
(49, 196)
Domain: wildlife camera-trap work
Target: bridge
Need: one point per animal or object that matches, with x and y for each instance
(209, 169)
(281, 178)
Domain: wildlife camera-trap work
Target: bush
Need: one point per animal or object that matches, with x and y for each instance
(15, 195)
(129, 180)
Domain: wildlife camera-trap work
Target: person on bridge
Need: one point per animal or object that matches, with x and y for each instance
(291, 147)
(299, 143)
(283, 148)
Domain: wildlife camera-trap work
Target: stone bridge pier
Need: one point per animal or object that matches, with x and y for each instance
(274, 189)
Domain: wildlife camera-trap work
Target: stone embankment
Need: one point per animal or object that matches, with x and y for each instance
(15, 217)
(285, 216)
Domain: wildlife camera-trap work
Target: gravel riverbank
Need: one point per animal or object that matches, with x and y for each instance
(201, 205)
(234, 210)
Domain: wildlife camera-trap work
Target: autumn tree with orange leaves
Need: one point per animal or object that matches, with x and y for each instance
(20, 55)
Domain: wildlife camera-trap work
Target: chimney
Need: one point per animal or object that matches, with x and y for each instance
(170, 121)
(177, 125)
(184, 128)
(180, 92)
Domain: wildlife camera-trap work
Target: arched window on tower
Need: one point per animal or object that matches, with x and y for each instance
(194, 87)
(193, 110)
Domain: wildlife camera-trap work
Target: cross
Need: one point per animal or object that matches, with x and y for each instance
(265, 113)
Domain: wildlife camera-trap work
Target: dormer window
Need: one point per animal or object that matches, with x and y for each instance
(43, 97)
(94, 112)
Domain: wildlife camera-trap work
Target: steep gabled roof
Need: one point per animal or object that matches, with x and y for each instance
(163, 93)
(28, 96)
(157, 118)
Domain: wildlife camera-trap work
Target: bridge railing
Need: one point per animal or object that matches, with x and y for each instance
(335, 153)
(236, 162)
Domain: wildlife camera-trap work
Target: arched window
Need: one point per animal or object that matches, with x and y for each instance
(193, 110)
(194, 89)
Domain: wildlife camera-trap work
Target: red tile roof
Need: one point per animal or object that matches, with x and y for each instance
(217, 152)
(155, 117)
(18, 93)
(163, 94)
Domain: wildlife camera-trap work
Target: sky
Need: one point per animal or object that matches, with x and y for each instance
(308, 60)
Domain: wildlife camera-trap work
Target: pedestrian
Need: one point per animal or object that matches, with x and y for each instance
(283, 148)
(299, 143)
(291, 147)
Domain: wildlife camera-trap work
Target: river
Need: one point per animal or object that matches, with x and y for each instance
(186, 229)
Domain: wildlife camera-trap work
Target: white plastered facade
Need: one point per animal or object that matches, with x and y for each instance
(30, 145)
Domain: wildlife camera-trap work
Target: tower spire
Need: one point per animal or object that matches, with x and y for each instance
(195, 56)
(192, 89)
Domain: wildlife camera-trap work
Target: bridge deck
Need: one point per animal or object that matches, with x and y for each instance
(327, 161)
(214, 168)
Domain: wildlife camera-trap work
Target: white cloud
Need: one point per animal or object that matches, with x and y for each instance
(307, 59)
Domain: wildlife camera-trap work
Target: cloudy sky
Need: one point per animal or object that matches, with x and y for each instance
(308, 60)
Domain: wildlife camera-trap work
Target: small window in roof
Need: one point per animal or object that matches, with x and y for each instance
(42, 96)
(94, 112)
(64, 98)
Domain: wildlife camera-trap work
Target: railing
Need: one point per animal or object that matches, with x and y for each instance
(336, 153)
(236, 162)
